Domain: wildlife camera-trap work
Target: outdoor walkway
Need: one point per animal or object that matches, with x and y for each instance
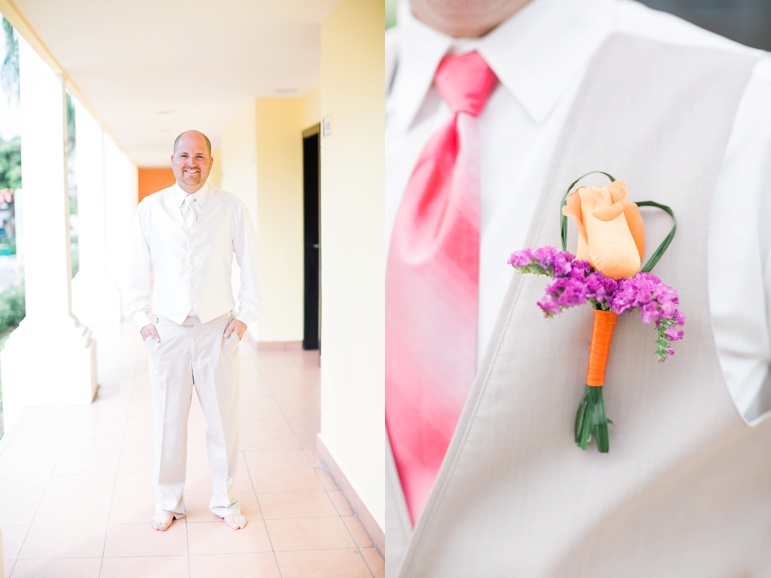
(76, 494)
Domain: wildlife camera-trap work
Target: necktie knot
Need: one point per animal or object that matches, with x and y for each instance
(465, 81)
(189, 211)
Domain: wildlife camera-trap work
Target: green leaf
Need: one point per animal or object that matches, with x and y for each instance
(662, 248)
(591, 421)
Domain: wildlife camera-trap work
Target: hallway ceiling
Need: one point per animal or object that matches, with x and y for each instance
(151, 69)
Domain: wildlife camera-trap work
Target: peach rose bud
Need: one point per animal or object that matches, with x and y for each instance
(610, 229)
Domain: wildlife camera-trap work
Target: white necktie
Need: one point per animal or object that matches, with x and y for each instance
(190, 212)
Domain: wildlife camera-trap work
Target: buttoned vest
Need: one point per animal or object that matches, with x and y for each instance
(686, 488)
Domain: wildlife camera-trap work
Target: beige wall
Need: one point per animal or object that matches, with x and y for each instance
(215, 176)
(279, 126)
(237, 174)
(312, 112)
(238, 160)
(352, 247)
(260, 161)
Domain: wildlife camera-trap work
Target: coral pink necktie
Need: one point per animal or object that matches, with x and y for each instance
(432, 280)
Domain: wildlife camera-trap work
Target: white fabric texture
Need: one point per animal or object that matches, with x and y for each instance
(192, 268)
(540, 56)
(194, 356)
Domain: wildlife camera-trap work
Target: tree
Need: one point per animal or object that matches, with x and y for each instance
(10, 164)
(9, 69)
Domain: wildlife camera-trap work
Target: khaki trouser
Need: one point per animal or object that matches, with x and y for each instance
(194, 355)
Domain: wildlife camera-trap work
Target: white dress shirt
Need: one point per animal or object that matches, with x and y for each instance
(540, 56)
(192, 267)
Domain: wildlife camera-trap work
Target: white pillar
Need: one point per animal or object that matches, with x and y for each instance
(50, 359)
(95, 295)
(120, 204)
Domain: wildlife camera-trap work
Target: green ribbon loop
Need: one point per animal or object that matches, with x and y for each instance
(660, 250)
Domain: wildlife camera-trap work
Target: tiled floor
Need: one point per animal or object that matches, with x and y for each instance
(76, 494)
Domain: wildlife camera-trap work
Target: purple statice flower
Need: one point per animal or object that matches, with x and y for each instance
(563, 293)
(562, 264)
(545, 257)
(599, 287)
(549, 306)
(521, 259)
(576, 282)
(544, 261)
(580, 269)
(673, 334)
(656, 303)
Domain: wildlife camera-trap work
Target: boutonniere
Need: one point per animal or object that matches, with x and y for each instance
(607, 273)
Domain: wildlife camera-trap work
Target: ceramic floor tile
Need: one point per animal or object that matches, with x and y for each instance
(134, 485)
(51, 446)
(13, 464)
(326, 480)
(101, 463)
(87, 487)
(17, 510)
(313, 458)
(132, 510)
(262, 565)
(340, 502)
(58, 568)
(307, 441)
(13, 539)
(358, 532)
(296, 480)
(276, 442)
(75, 542)
(305, 424)
(100, 486)
(136, 463)
(309, 534)
(88, 446)
(142, 540)
(279, 505)
(375, 561)
(23, 486)
(72, 511)
(276, 460)
(219, 538)
(344, 563)
(146, 567)
(198, 462)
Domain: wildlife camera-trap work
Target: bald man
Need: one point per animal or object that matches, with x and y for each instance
(500, 489)
(185, 236)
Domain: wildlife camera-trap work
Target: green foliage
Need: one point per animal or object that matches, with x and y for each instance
(9, 67)
(591, 421)
(390, 13)
(10, 163)
(12, 306)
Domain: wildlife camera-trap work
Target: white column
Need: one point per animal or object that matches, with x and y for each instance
(95, 295)
(120, 204)
(50, 359)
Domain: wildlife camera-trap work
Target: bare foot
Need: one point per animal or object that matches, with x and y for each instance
(235, 521)
(162, 521)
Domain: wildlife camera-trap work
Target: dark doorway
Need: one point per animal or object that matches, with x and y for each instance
(312, 239)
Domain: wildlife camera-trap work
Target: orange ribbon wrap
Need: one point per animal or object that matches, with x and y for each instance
(602, 335)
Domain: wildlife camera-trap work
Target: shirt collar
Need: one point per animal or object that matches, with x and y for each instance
(200, 195)
(536, 54)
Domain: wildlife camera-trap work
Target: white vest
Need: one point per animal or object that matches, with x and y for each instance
(686, 488)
